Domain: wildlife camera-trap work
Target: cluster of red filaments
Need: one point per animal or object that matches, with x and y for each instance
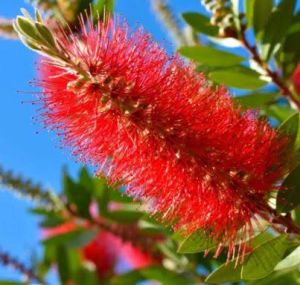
(153, 122)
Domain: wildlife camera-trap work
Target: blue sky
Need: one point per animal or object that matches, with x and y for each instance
(25, 146)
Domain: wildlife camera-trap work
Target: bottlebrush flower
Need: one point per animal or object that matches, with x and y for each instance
(148, 119)
(296, 78)
(106, 250)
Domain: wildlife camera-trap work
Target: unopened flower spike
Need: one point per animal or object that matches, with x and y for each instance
(149, 119)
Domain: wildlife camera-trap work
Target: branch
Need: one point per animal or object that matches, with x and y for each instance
(168, 18)
(25, 187)
(285, 91)
(7, 30)
(7, 260)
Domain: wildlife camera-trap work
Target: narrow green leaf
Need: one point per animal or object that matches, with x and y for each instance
(27, 29)
(238, 77)
(196, 242)
(288, 198)
(200, 23)
(123, 216)
(262, 261)
(210, 56)
(256, 100)
(261, 12)
(74, 239)
(63, 265)
(45, 34)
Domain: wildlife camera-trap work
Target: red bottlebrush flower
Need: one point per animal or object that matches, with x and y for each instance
(142, 117)
(296, 78)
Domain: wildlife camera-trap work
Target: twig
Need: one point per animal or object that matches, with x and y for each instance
(170, 21)
(7, 30)
(30, 275)
(285, 91)
(25, 187)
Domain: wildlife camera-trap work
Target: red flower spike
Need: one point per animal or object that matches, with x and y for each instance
(153, 122)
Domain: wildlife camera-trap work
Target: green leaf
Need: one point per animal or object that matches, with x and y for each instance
(291, 128)
(103, 6)
(63, 266)
(27, 29)
(238, 77)
(53, 221)
(262, 261)
(288, 198)
(277, 26)
(229, 272)
(78, 194)
(73, 239)
(196, 242)
(210, 56)
(157, 273)
(84, 276)
(45, 34)
(123, 216)
(291, 261)
(249, 11)
(281, 113)
(261, 13)
(255, 100)
(200, 23)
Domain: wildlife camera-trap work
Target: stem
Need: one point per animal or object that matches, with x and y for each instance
(126, 233)
(25, 188)
(285, 91)
(7, 260)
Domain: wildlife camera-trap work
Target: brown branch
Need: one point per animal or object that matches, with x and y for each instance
(285, 91)
(30, 275)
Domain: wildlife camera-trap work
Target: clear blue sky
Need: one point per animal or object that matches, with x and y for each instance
(25, 146)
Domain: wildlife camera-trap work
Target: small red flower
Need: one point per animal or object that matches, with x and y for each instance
(151, 121)
(106, 250)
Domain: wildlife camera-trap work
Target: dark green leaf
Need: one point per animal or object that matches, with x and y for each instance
(196, 242)
(210, 56)
(256, 100)
(277, 26)
(291, 128)
(63, 265)
(76, 238)
(124, 216)
(45, 34)
(79, 195)
(200, 23)
(288, 198)
(86, 277)
(261, 13)
(238, 77)
(262, 261)
(53, 221)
